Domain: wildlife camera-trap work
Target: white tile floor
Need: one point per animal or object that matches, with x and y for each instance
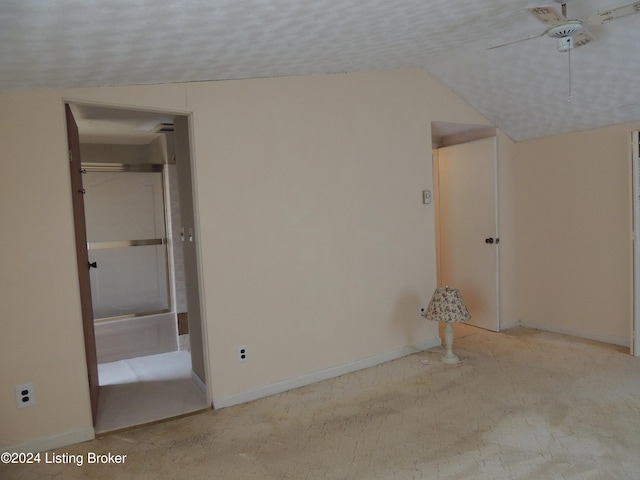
(145, 389)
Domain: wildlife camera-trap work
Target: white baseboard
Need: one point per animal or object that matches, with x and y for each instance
(332, 372)
(576, 332)
(53, 442)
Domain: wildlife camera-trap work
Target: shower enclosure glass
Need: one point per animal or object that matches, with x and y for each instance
(127, 240)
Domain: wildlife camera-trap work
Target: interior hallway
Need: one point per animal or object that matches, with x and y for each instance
(526, 404)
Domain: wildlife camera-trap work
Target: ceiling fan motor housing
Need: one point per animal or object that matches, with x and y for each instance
(564, 34)
(568, 29)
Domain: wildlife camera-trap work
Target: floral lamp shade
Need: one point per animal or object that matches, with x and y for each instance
(447, 306)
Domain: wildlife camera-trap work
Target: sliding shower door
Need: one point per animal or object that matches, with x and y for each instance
(126, 235)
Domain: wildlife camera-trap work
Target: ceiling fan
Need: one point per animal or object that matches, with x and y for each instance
(571, 33)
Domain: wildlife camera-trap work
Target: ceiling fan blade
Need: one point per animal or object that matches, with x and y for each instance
(547, 15)
(530, 37)
(581, 39)
(598, 18)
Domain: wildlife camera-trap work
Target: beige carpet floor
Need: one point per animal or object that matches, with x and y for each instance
(525, 404)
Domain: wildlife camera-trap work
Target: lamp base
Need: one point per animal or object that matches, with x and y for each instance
(450, 359)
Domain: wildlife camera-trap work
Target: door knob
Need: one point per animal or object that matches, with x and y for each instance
(93, 265)
(492, 240)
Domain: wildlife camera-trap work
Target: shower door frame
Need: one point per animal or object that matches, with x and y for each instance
(92, 246)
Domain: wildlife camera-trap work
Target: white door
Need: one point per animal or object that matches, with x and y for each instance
(468, 231)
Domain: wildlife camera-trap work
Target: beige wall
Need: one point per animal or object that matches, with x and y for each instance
(316, 250)
(154, 152)
(41, 340)
(573, 233)
(320, 214)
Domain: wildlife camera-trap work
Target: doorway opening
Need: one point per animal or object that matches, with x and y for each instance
(467, 239)
(135, 225)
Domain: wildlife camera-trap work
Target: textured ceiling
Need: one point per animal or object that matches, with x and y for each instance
(522, 88)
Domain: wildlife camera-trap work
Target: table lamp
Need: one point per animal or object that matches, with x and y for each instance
(448, 307)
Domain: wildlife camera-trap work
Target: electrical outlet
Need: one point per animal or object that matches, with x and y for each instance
(242, 353)
(423, 311)
(25, 395)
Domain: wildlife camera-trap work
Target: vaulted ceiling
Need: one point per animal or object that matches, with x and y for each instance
(528, 89)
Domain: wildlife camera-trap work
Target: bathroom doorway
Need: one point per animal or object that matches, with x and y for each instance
(135, 187)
